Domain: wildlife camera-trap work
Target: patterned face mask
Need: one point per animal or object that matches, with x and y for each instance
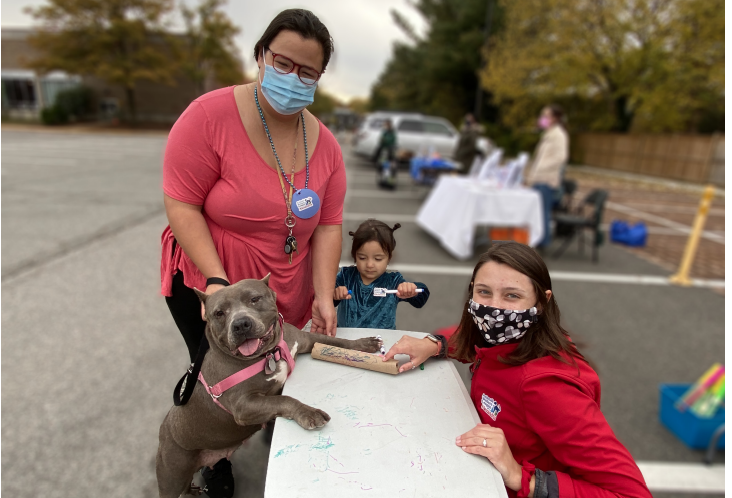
(500, 326)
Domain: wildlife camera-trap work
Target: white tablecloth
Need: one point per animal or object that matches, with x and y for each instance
(457, 205)
(389, 436)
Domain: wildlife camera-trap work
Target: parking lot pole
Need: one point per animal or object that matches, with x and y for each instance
(682, 276)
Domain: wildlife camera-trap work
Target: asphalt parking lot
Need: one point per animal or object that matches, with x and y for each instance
(90, 353)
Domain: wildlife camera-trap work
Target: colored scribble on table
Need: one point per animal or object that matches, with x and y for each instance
(348, 354)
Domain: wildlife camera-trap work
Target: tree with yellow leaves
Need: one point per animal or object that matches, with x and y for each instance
(208, 47)
(650, 65)
(119, 41)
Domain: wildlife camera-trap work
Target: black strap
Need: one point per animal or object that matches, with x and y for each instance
(188, 382)
(474, 367)
(218, 281)
(443, 346)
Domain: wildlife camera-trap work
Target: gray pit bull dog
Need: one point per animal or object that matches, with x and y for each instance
(242, 326)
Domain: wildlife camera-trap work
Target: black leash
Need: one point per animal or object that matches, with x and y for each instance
(187, 383)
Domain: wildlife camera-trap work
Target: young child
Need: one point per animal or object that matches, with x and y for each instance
(373, 246)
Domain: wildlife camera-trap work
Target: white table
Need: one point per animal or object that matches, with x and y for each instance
(456, 205)
(389, 435)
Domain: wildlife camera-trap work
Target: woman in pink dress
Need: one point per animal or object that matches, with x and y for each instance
(255, 184)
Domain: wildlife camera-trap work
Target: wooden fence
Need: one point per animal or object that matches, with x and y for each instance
(691, 158)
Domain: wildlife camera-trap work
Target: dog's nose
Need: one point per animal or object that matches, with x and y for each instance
(242, 325)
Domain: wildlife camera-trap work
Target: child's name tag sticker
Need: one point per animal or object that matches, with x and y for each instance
(305, 203)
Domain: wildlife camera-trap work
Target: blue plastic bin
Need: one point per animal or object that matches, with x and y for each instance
(694, 431)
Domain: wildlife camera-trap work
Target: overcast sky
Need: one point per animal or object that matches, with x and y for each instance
(363, 32)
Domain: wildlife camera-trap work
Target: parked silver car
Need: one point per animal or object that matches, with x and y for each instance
(416, 133)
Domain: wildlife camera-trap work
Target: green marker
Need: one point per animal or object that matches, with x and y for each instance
(708, 404)
(421, 367)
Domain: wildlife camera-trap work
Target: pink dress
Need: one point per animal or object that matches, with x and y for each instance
(210, 162)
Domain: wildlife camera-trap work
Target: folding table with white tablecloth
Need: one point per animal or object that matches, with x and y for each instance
(457, 205)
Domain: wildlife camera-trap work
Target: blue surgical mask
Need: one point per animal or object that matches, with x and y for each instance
(285, 92)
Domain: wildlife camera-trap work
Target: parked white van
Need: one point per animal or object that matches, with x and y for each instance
(416, 133)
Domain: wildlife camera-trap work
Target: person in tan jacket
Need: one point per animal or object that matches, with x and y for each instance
(546, 170)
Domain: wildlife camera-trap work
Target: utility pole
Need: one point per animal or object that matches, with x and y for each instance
(486, 35)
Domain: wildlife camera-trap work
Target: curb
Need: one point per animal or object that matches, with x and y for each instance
(672, 184)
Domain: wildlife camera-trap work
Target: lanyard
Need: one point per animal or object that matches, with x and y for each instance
(271, 143)
(288, 199)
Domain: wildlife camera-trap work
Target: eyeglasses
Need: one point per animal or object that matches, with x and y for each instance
(283, 65)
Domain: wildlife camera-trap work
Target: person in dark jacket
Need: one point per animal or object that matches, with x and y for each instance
(537, 396)
(387, 142)
(467, 146)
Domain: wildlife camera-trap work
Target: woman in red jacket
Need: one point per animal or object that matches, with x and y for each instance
(538, 398)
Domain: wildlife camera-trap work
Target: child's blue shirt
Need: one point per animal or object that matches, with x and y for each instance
(364, 310)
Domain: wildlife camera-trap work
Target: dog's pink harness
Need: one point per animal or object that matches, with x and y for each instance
(281, 351)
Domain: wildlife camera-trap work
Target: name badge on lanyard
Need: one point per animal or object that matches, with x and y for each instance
(305, 203)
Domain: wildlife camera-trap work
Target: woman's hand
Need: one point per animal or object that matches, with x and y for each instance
(405, 290)
(209, 290)
(341, 293)
(495, 449)
(324, 317)
(325, 248)
(419, 350)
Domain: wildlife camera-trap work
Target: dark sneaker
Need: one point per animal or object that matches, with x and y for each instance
(219, 480)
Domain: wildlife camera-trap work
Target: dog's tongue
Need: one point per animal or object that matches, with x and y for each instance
(249, 347)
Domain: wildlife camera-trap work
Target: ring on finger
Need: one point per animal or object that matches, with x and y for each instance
(485, 443)
(413, 365)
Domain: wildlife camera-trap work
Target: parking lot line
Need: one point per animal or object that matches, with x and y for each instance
(408, 218)
(683, 477)
(557, 276)
(666, 208)
(383, 194)
(396, 218)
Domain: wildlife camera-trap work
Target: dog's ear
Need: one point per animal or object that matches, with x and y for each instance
(201, 295)
(266, 282)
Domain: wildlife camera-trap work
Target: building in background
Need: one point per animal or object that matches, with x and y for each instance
(25, 92)
(340, 118)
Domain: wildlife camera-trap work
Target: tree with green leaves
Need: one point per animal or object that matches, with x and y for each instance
(636, 65)
(323, 103)
(119, 41)
(208, 47)
(359, 105)
(437, 73)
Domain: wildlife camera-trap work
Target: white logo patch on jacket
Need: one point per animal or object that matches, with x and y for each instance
(490, 406)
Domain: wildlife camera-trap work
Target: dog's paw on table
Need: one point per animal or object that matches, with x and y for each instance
(311, 418)
(368, 344)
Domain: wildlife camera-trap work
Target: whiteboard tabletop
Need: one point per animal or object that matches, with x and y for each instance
(389, 435)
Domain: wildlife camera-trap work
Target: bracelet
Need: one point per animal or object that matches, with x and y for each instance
(217, 281)
(442, 353)
(527, 470)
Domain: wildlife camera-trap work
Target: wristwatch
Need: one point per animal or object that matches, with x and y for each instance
(437, 341)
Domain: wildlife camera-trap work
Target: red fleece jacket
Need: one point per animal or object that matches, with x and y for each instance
(550, 414)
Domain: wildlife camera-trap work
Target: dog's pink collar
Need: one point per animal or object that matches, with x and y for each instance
(217, 390)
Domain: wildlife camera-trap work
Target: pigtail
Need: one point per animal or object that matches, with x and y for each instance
(398, 225)
(352, 233)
